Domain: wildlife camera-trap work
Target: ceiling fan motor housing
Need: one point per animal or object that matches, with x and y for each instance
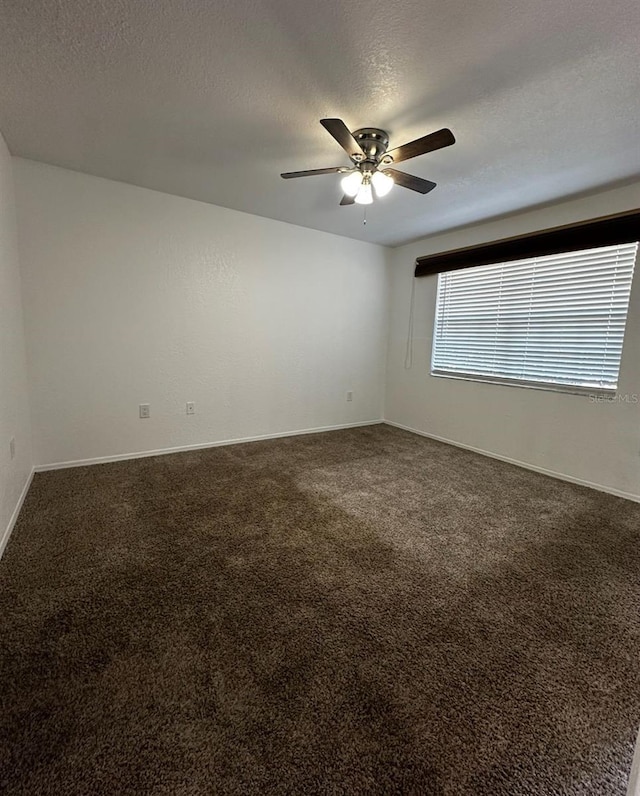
(374, 143)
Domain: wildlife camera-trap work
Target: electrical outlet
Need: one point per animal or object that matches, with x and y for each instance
(12, 447)
(349, 395)
(191, 408)
(145, 410)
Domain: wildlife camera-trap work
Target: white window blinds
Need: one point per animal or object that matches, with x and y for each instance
(557, 320)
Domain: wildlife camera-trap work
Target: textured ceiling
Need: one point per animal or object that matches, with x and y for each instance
(212, 100)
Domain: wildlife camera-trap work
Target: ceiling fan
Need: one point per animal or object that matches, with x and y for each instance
(371, 172)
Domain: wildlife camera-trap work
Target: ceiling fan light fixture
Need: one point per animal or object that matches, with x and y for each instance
(382, 183)
(364, 195)
(351, 183)
(369, 173)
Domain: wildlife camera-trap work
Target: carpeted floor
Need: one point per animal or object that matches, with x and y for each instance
(357, 612)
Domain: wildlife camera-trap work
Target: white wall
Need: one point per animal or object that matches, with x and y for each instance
(558, 432)
(133, 296)
(14, 403)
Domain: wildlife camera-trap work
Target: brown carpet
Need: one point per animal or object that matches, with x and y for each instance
(357, 612)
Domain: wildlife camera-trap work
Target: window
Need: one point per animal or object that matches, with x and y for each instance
(553, 321)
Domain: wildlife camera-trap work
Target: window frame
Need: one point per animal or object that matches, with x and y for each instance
(575, 389)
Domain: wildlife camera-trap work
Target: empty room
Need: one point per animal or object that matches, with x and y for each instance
(319, 398)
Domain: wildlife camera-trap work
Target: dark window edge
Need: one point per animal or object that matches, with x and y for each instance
(595, 233)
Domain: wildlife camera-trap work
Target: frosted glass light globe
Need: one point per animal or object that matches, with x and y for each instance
(382, 183)
(351, 183)
(364, 195)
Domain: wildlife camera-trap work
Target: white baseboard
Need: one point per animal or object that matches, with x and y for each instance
(16, 512)
(120, 457)
(553, 473)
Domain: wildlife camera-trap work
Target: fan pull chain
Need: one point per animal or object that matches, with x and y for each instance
(364, 220)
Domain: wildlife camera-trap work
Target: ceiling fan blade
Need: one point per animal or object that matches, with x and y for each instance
(312, 172)
(421, 146)
(409, 181)
(339, 130)
(347, 200)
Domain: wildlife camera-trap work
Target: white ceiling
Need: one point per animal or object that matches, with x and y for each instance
(212, 100)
